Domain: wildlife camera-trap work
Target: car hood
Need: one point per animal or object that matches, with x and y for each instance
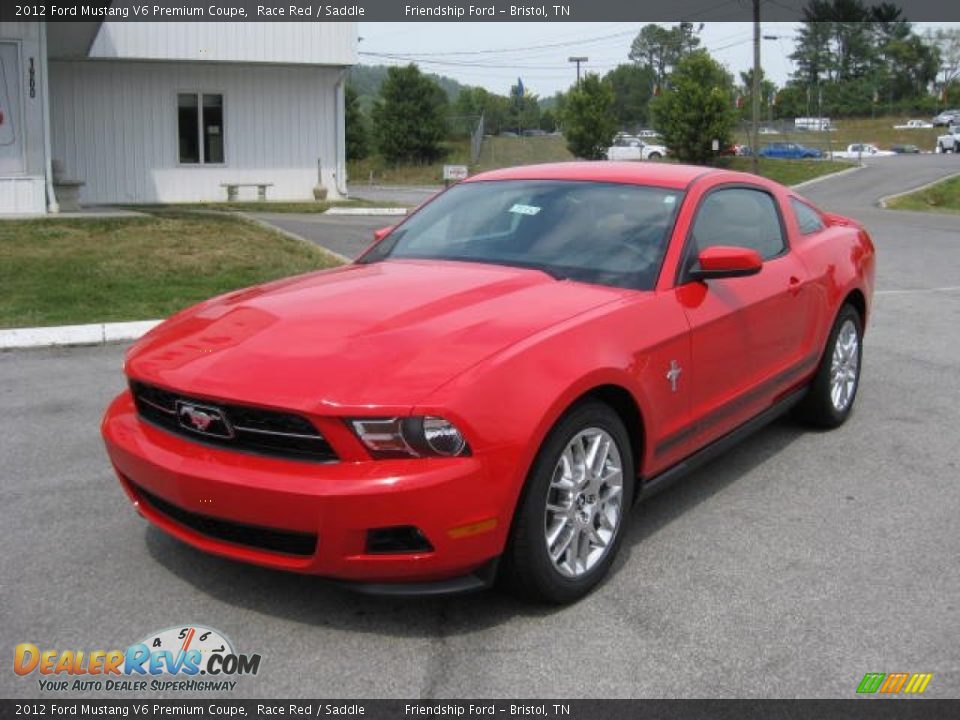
(379, 335)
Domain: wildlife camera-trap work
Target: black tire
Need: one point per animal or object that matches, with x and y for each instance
(818, 408)
(526, 567)
(654, 156)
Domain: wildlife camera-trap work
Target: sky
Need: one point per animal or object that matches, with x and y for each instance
(512, 50)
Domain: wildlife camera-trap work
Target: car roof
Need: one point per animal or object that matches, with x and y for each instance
(667, 175)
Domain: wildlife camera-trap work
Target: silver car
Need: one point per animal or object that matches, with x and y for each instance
(947, 117)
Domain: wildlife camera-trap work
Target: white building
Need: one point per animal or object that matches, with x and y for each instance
(170, 112)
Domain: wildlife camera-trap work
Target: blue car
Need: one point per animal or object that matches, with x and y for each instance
(789, 151)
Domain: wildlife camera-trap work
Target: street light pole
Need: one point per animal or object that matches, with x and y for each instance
(755, 109)
(578, 59)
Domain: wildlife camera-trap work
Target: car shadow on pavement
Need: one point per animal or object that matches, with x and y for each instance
(317, 602)
(654, 514)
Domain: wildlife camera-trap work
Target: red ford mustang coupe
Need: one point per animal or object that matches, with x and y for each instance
(488, 390)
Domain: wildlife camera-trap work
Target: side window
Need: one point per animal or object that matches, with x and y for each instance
(738, 217)
(808, 219)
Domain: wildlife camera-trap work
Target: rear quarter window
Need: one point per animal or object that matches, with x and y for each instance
(808, 219)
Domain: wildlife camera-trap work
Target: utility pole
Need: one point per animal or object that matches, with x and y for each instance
(578, 59)
(755, 110)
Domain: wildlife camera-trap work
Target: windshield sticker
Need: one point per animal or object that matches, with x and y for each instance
(524, 209)
(669, 200)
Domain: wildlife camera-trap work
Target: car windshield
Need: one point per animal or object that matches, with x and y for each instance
(594, 232)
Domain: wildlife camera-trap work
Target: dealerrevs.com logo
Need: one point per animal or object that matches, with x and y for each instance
(185, 658)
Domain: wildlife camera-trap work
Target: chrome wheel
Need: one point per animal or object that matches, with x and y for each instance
(845, 366)
(584, 502)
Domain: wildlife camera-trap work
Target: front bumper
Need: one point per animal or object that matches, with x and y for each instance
(313, 517)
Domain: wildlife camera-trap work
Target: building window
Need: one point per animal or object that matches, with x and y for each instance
(200, 128)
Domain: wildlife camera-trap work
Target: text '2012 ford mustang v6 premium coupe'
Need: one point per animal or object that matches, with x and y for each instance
(486, 392)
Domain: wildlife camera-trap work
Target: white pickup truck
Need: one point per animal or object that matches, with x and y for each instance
(861, 150)
(949, 142)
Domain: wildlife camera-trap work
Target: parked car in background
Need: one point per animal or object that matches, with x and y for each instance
(949, 142)
(789, 151)
(947, 118)
(861, 150)
(913, 125)
(488, 389)
(630, 147)
(905, 149)
(818, 124)
(768, 131)
(648, 133)
(534, 132)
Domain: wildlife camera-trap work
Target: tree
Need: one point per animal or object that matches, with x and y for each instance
(947, 42)
(355, 126)
(589, 123)
(632, 89)
(476, 101)
(852, 55)
(524, 110)
(660, 48)
(696, 110)
(409, 118)
(548, 121)
(745, 92)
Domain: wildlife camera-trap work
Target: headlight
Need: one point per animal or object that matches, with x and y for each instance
(423, 436)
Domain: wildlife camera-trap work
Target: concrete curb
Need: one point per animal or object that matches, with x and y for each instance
(831, 176)
(93, 334)
(365, 211)
(882, 202)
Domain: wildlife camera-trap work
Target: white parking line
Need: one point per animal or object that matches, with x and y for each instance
(916, 291)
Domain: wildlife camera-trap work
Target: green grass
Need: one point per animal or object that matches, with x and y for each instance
(496, 152)
(942, 197)
(67, 271)
(877, 131)
(788, 172)
(500, 152)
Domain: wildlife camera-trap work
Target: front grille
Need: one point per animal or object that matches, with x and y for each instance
(241, 427)
(280, 541)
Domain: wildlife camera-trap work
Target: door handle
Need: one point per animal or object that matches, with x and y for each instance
(795, 286)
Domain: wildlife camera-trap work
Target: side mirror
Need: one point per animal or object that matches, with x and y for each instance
(380, 234)
(727, 262)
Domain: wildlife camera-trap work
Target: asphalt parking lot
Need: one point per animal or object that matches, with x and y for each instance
(788, 568)
(349, 235)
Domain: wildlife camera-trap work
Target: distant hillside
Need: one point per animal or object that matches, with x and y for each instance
(366, 80)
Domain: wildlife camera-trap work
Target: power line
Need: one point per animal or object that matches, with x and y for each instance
(568, 43)
(455, 63)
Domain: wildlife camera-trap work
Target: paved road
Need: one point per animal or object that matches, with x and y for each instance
(789, 567)
(349, 235)
(346, 235)
(411, 195)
